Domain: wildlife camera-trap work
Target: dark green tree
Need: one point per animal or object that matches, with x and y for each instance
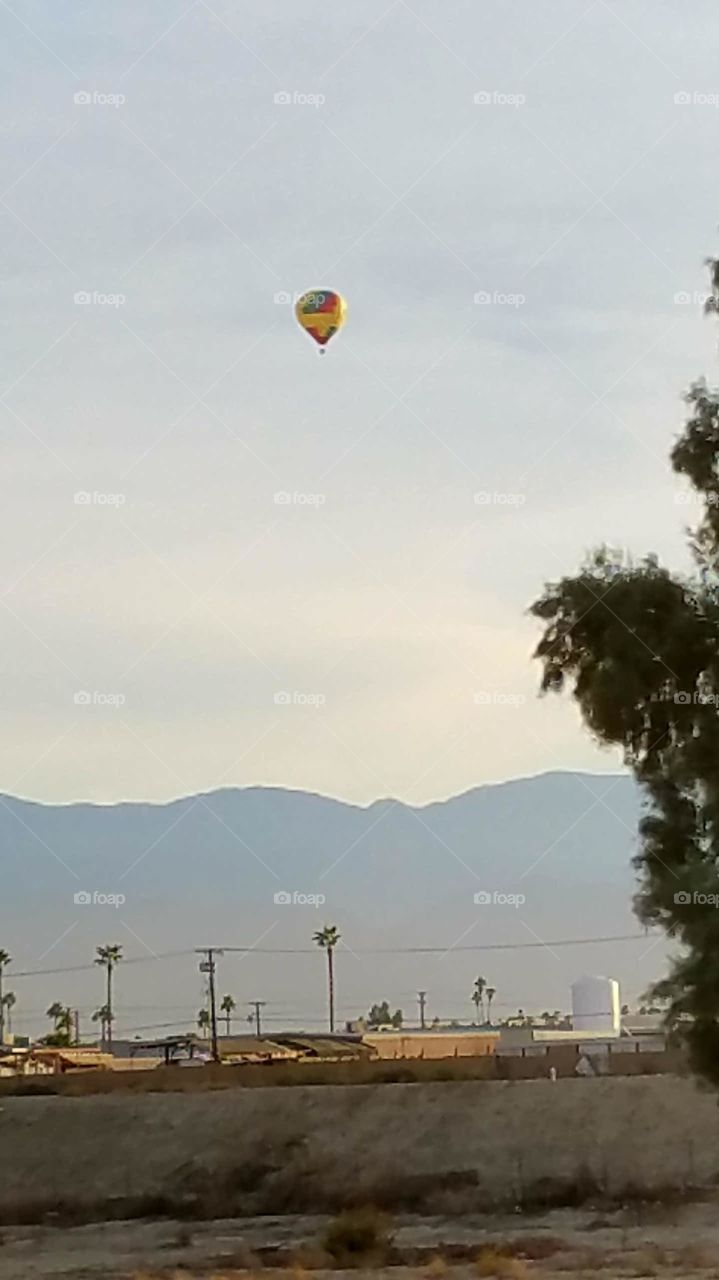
(638, 646)
(380, 1016)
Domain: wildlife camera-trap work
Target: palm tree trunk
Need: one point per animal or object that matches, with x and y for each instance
(331, 977)
(227, 1018)
(2, 1008)
(109, 1008)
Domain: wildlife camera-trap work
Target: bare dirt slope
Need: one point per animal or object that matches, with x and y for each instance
(315, 1149)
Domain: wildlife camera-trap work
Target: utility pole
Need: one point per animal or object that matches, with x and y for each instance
(209, 966)
(257, 1005)
(77, 1026)
(422, 998)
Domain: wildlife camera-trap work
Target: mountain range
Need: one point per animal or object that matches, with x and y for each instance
(498, 880)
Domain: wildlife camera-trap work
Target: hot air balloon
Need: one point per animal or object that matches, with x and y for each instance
(321, 312)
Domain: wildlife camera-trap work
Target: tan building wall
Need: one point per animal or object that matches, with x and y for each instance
(435, 1044)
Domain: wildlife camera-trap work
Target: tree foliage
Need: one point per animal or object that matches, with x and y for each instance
(380, 1016)
(638, 646)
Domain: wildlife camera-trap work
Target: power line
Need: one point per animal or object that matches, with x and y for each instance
(310, 951)
(490, 946)
(86, 968)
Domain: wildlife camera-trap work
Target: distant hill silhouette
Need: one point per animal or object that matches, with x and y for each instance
(206, 869)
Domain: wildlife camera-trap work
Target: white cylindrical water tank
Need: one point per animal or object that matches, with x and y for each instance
(595, 1005)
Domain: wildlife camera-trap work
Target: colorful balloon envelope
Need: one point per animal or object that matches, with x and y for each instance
(321, 312)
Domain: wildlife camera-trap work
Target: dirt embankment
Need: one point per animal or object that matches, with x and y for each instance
(426, 1147)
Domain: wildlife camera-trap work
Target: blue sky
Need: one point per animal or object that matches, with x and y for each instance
(150, 166)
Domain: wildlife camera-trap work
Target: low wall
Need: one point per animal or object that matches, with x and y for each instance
(431, 1147)
(434, 1045)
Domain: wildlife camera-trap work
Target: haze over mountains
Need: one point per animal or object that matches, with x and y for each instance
(205, 870)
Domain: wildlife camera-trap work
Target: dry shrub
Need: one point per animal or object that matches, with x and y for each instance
(298, 1272)
(538, 1246)
(243, 1259)
(308, 1256)
(492, 1263)
(650, 1260)
(358, 1237)
(436, 1268)
(182, 1239)
(696, 1257)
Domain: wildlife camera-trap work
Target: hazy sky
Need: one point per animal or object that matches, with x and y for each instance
(188, 199)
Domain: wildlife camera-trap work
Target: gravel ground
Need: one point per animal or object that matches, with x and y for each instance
(667, 1243)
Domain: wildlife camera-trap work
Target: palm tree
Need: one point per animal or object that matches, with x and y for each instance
(227, 1006)
(62, 1024)
(9, 1001)
(203, 1021)
(108, 957)
(480, 987)
(5, 959)
(328, 938)
(100, 1015)
(490, 994)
